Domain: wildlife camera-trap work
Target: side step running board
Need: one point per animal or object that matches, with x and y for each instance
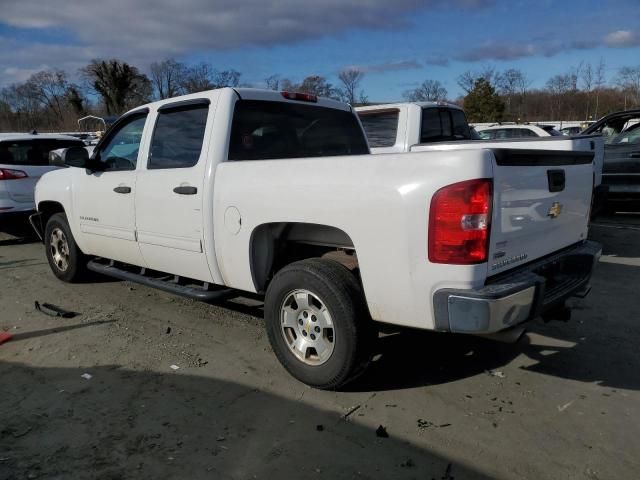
(193, 292)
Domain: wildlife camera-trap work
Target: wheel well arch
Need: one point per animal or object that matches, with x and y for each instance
(276, 244)
(48, 208)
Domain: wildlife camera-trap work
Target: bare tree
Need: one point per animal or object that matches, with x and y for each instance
(50, 87)
(226, 78)
(167, 78)
(512, 83)
(628, 79)
(198, 78)
(428, 91)
(599, 81)
(558, 86)
(467, 80)
(587, 77)
(273, 82)
(350, 79)
(313, 84)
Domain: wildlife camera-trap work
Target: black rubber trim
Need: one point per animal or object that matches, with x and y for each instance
(35, 220)
(186, 291)
(194, 102)
(513, 157)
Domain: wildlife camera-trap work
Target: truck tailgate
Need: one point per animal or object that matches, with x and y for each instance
(541, 204)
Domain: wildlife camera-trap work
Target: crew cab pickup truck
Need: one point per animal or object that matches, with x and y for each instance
(396, 127)
(422, 126)
(276, 193)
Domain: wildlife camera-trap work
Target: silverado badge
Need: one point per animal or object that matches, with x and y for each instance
(555, 210)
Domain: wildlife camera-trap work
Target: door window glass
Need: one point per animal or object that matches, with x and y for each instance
(177, 138)
(120, 150)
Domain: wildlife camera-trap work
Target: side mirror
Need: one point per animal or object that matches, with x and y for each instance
(69, 157)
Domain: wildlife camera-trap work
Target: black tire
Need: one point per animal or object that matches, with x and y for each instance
(342, 296)
(75, 267)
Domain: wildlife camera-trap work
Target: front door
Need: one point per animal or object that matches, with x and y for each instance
(104, 199)
(169, 192)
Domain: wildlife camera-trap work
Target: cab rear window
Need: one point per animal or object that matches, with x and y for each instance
(443, 124)
(263, 130)
(32, 152)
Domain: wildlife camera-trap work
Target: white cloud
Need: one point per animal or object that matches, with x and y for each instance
(622, 39)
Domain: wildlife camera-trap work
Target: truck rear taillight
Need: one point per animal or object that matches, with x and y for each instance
(302, 97)
(459, 223)
(9, 174)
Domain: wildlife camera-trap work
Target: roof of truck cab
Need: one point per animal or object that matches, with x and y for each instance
(246, 94)
(11, 137)
(389, 106)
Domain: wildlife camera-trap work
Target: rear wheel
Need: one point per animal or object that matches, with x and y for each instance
(317, 323)
(66, 260)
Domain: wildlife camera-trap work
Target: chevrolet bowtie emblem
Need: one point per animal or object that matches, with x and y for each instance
(555, 210)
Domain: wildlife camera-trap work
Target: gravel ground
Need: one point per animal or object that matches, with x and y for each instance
(562, 403)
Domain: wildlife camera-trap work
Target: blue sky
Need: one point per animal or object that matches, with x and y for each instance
(397, 44)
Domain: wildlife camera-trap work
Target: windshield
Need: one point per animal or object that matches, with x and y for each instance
(263, 130)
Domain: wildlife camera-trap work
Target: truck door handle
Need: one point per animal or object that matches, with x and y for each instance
(556, 180)
(635, 155)
(184, 190)
(122, 189)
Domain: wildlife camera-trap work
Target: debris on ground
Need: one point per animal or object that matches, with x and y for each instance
(382, 432)
(5, 337)
(174, 367)
(565, 406)
(320, 428)
(350, 412)
(54, 310)
(424, 424)
(496, 373)
(87, 376)
(168, 330)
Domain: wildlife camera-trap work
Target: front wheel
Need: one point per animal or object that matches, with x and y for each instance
(66, 260)
(317, 323)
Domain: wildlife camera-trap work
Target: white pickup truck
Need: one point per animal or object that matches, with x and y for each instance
(275, 193)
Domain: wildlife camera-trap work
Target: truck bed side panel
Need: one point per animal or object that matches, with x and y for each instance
(380, 201)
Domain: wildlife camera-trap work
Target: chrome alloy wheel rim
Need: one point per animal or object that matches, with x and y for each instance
(59, 248)
(307, 327)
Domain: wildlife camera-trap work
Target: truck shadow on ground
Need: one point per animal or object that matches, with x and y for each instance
(599, 345)
(15, 231)
(135, 424)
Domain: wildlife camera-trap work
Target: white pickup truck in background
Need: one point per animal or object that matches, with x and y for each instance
(441, 126)
(231, 190)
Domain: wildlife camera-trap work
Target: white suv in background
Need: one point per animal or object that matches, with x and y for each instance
(519, 130)
(24, 158)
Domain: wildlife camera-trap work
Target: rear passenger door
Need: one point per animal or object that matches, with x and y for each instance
(170, 191)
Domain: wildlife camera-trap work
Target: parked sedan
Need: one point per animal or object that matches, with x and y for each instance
(24, 158)
(621, 171)
(518, 130)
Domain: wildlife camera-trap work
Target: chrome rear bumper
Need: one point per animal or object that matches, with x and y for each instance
(511, 299)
